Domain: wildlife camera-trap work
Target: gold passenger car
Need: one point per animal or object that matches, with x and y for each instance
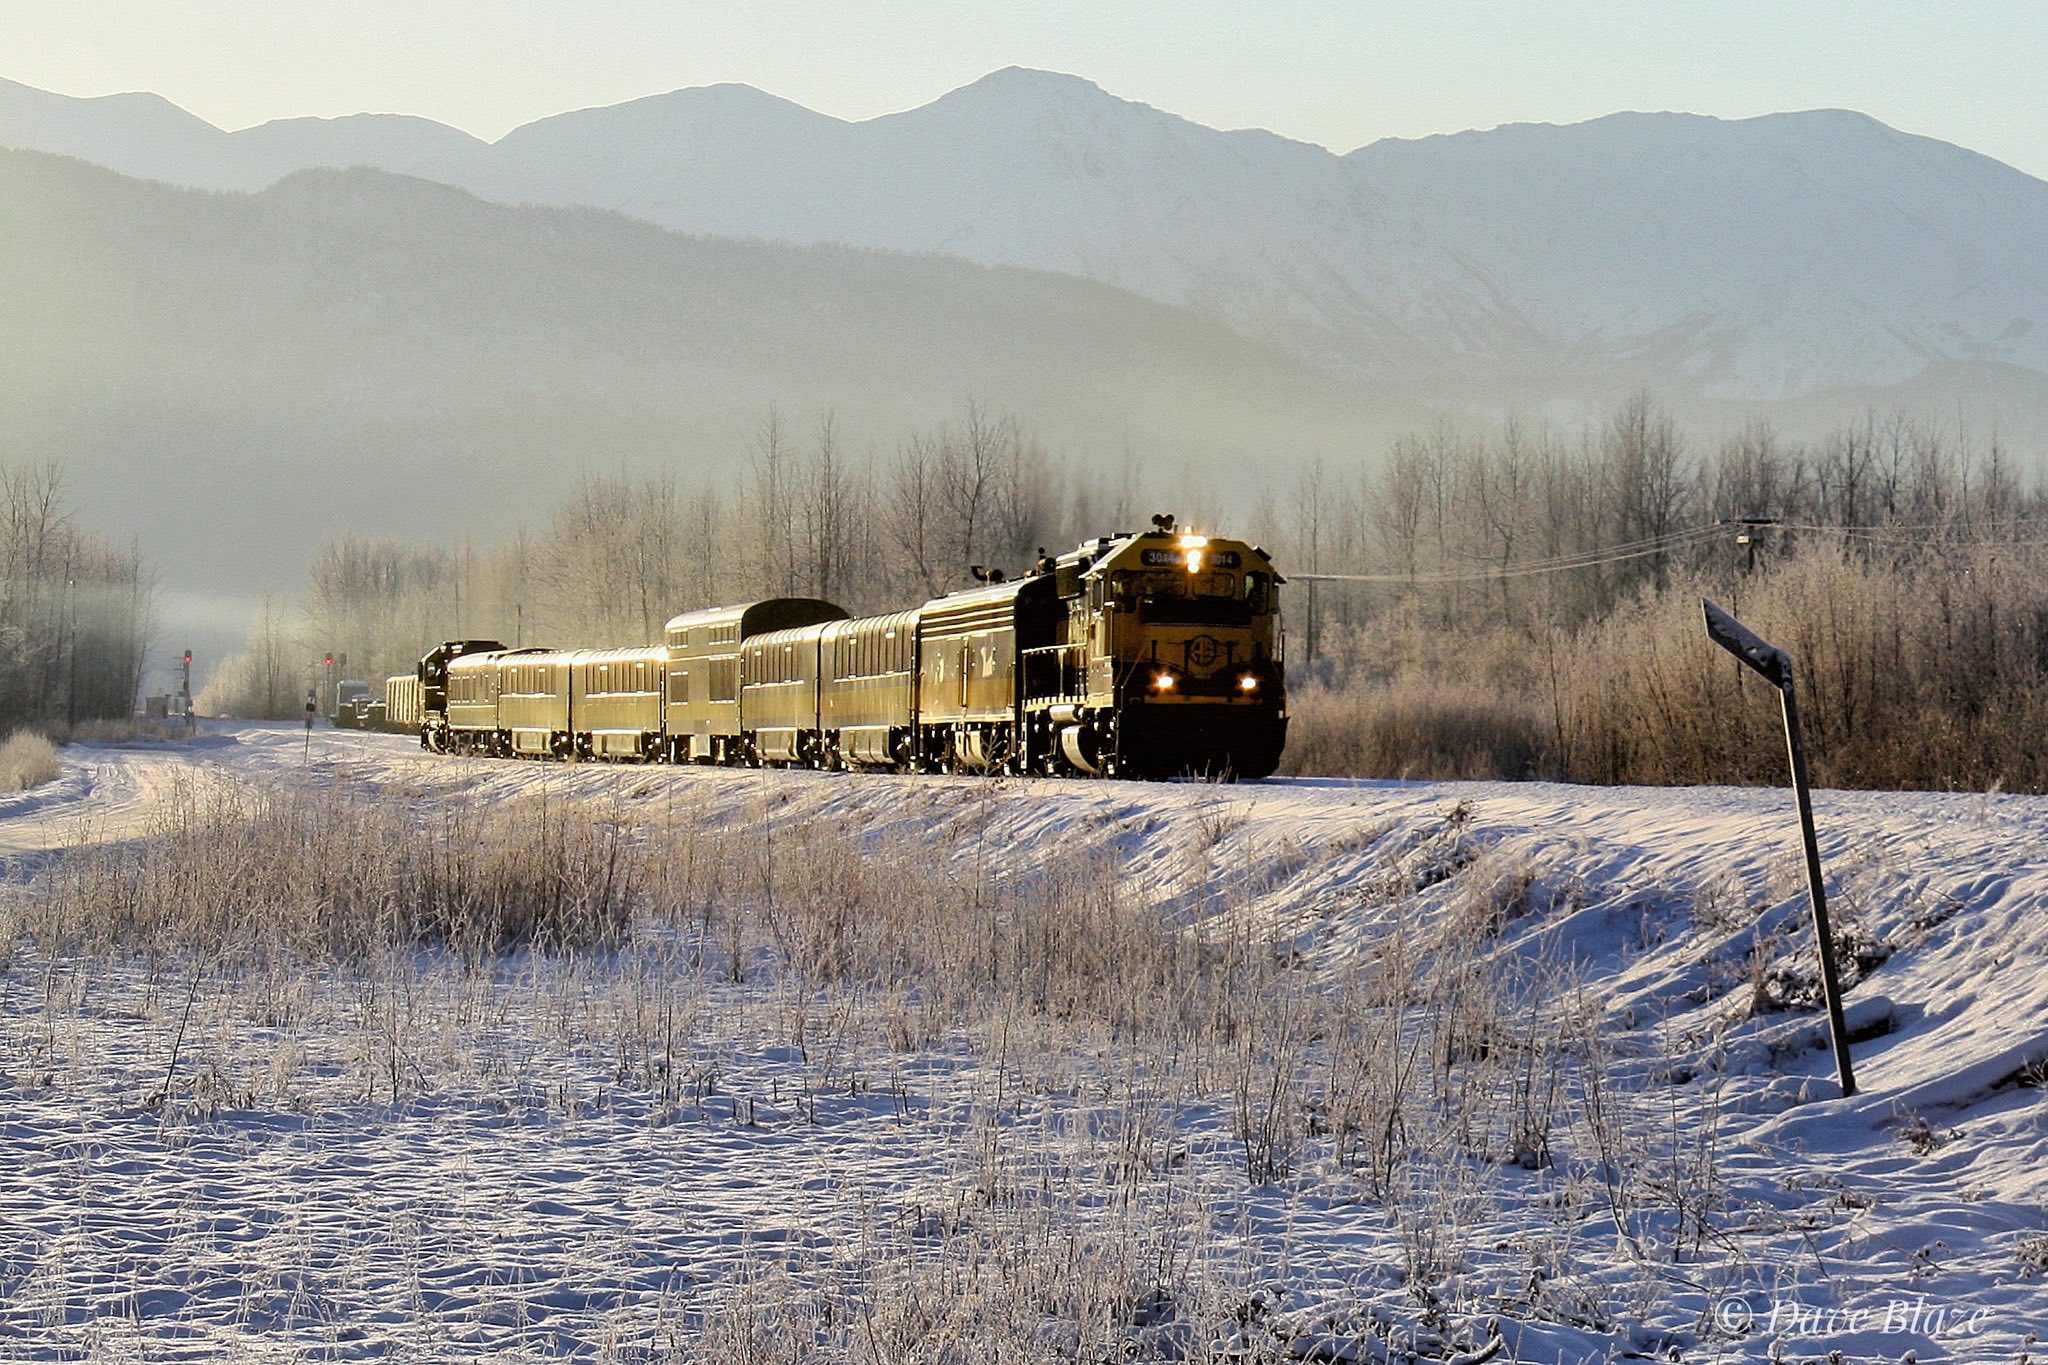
(968, 646)
(867, 690)
(779, 696)
(533, 702)
(701, 705)
(472, 702)
(615, 701)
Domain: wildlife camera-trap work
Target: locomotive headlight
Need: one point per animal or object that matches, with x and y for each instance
(1248, 684)
(1162, 682)
(1194, 561)
(1194, 545)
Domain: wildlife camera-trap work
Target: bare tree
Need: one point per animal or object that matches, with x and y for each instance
(910, 509)
(1397, 507)
(971, 465)
(1307, 514)
(774, 505)
(656, 523)
(75, 613)
(828, 496)
(1501, 484)
(1646, 477)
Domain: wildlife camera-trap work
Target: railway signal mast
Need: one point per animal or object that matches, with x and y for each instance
(1774, 665)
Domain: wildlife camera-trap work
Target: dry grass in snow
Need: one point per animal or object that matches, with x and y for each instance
(471, 1059)
(27, 760)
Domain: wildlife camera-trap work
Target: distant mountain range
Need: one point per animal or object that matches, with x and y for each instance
(330, 347)
(233, 377)
(1765, 261)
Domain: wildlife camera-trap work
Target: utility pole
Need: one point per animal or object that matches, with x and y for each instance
(71, 651)
(1746, 535)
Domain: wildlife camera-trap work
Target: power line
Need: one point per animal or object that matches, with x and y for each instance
(1589, 559)
(1893, 533)
(1900, 534)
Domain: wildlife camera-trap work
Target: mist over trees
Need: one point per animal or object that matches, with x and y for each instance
(75, 612)
(351, 350)
(1523, 602)
(803, 515)
(1517, 601)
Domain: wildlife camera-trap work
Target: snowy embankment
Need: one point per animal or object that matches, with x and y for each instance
(1443, 1068)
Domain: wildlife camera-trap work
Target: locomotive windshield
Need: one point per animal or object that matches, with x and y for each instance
(1192, 599)
(1169, 609)
(1181, 599)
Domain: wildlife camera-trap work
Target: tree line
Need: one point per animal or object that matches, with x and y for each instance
(1529, 529)
(1515, 601)
(1525, 602)
(75, 611)
(804, 516)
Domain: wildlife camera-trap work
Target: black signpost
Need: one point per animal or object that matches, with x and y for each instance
(1775, 666)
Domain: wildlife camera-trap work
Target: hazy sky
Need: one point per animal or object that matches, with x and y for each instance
(1974, 72)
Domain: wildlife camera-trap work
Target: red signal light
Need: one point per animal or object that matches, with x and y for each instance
(330, 661)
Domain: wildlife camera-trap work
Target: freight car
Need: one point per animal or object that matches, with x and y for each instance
(402, 710)
(1144, 655)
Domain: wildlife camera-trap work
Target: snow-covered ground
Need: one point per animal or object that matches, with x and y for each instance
(662, 1151)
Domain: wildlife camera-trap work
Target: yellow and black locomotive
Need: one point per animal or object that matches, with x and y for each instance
(1144, 655)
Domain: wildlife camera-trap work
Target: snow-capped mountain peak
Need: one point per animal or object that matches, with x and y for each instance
(1752, 260)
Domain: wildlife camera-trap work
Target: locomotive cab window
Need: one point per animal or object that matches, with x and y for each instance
(1258, 592)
